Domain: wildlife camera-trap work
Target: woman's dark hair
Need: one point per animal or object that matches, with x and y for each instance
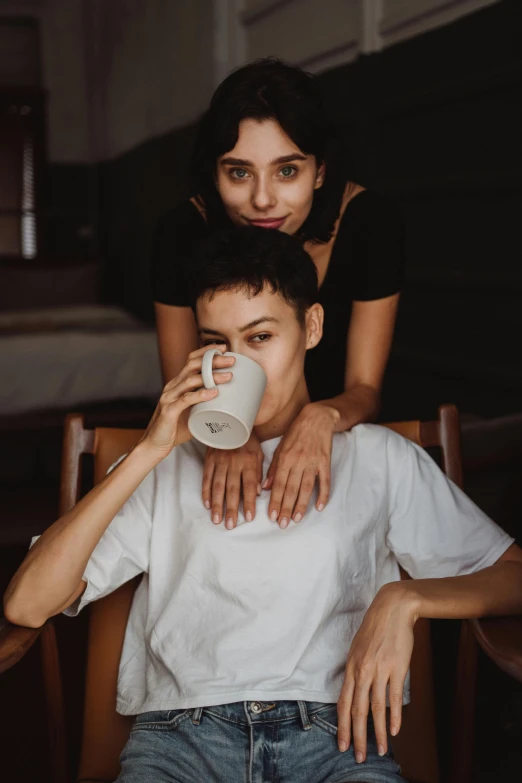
(262, 90)
(252, 258)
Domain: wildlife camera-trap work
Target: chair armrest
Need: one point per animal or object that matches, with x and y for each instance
(501, 640)
(15, 640)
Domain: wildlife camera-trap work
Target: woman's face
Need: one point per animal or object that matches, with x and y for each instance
(266, 180)
(265, 328)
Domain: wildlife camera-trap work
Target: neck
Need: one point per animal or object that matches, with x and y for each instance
(279, 424)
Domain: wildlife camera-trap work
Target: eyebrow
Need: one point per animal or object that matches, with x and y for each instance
(277, 161)
(251, 325)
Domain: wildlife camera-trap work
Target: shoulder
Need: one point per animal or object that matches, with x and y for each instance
(377, 443)
(370, 210)
(371, 239)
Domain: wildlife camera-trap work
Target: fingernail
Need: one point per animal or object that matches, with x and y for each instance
(264, 485)
(359, 757)
(284, 522)
(273, 516)
(380, 750)
(215, 519)
(230, 524)
(207, 504)
(298, 517)
(343, 746)
(394, 730)
(248, 516)
(320, 506)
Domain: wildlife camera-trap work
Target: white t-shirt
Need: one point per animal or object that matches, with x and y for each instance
(268, 614)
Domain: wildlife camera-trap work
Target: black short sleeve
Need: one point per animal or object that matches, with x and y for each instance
(371, 236)
(175, 235)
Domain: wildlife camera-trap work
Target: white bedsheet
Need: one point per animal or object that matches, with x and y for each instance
(62, 358)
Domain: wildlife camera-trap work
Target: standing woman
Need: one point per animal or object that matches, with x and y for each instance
(262, 157)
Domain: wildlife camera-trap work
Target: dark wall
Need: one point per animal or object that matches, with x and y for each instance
(436, 123)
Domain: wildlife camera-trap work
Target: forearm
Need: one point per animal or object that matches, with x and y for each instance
(53, 569)
(496, 590)
(357, 404)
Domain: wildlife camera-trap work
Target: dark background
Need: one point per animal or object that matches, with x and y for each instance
(441, 138)
(435, 123)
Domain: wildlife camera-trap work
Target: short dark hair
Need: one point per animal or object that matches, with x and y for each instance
(250, 258)
(262, 90)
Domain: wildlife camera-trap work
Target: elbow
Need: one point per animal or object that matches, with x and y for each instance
(20, 615)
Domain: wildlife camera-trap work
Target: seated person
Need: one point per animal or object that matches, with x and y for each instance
(264, 653)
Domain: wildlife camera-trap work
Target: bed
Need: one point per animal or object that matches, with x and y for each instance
(67, 358)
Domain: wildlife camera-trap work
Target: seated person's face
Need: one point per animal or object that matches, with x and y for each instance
(266, 329)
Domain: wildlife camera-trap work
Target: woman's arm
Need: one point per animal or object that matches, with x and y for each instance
(381, 650)
(50, 577)
(310, 437)
(369, 342)
(177, 337)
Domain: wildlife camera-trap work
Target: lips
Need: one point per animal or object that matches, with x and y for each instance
(268, 222)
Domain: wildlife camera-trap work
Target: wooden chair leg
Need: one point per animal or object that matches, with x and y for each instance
(464, 709)
(54, 704)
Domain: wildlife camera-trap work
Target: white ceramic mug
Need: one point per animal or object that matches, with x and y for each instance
(226, 421)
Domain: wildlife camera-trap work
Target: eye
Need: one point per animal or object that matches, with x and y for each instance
(238, 173)
(212, 342)
(288, 171)
(260, 338)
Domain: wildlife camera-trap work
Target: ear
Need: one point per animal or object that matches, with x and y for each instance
(319, 179)
(314, 325)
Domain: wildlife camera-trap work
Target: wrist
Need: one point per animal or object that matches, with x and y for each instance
(147, 454)
(402, 596)
(327, 412)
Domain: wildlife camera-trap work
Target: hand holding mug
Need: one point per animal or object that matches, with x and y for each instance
(187, 389)
(226, 419)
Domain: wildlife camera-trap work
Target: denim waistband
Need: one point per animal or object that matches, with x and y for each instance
(252, 712)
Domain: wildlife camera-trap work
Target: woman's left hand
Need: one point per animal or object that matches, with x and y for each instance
(304, 454)
(378, 661)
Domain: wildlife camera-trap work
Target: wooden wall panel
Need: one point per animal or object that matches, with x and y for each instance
(302, 32)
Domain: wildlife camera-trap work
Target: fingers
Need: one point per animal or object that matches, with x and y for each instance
(250, 482)
(289, 497)
(359, 715)
(219, 484)
(233, 487)
(278, 491)
(305, 493)
(344, 716)
(188, 399)
(200, 352)
(190, 383)
(396, 694)
(208, 475)
(378, 701)
(260, 458)
(324, 486)
(193, 365)
(272, 469)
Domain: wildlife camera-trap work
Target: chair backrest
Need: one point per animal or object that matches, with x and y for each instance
(105, 732)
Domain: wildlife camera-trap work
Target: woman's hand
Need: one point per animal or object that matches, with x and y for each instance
(304, 453)
(225, 473)
(379, 657)
(187, 389)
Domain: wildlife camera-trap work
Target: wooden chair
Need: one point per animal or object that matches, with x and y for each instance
(105, 732)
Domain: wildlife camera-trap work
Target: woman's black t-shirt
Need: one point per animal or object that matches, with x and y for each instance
(367, 262)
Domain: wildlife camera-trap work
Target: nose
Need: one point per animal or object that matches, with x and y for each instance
(263, 196)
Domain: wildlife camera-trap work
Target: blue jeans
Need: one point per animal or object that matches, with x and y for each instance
(249, 742)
